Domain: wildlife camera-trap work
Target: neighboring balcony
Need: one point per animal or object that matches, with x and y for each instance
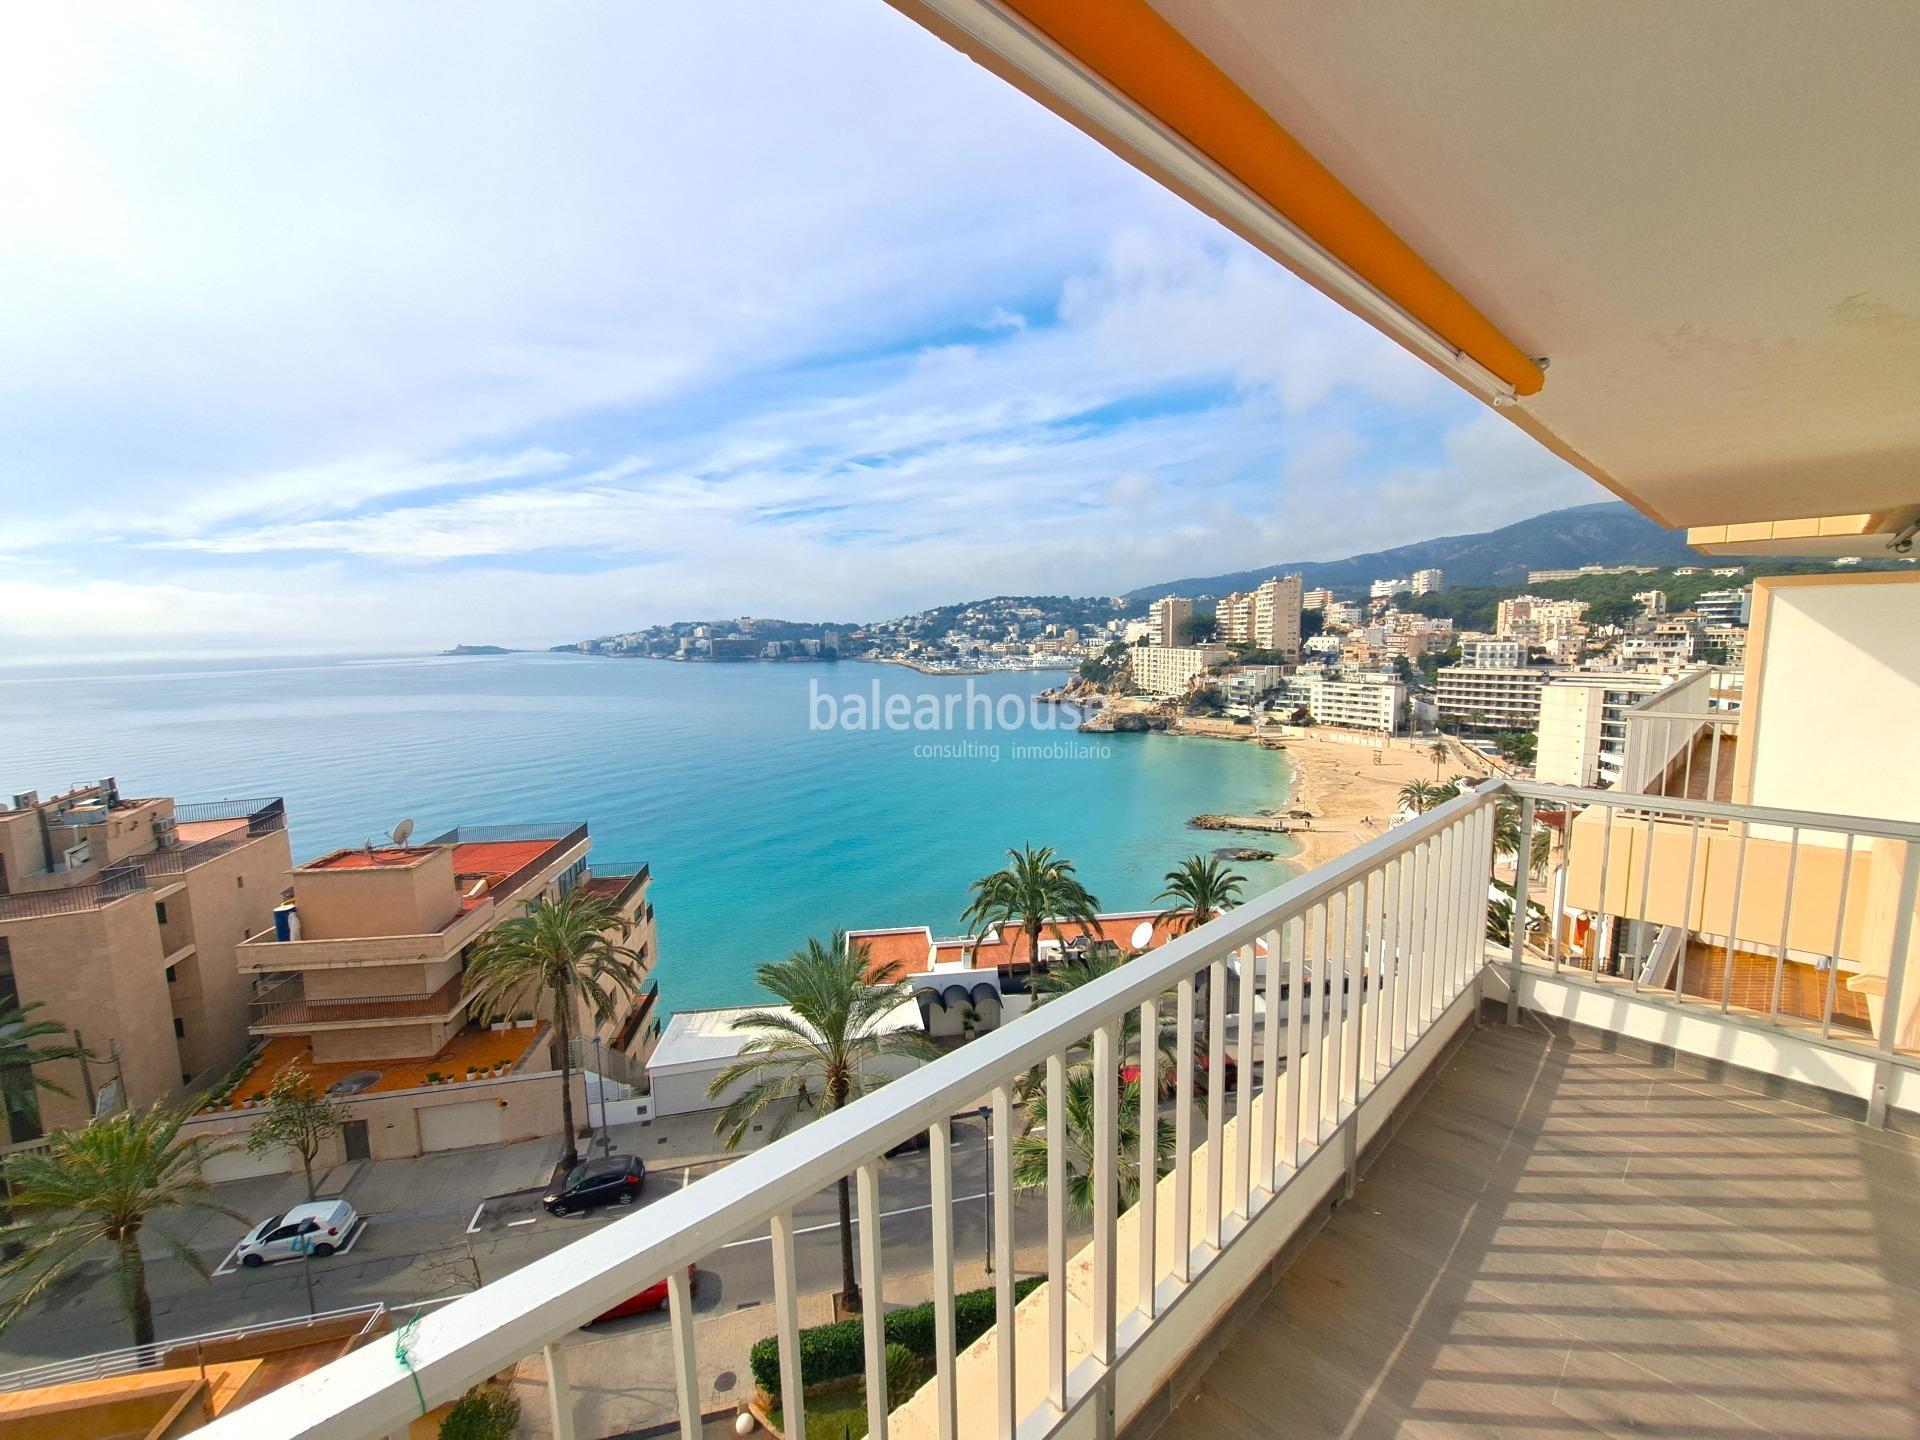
(284, 1007)
(1605, 1212)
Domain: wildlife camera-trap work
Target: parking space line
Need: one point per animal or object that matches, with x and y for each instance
(835, 1224)
(473, 1225)
(226, 1266)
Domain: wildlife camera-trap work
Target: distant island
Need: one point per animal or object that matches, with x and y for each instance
(480, 650)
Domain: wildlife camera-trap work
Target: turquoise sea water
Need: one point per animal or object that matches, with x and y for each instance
(761, 828)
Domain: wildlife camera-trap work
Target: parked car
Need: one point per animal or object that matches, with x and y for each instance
(319, 1227)
(654, 1297)
(611, 1180)
(1169, 1070)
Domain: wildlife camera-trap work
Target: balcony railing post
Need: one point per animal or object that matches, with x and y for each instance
(1896, 986)
(559, 1393)
(1522, 897)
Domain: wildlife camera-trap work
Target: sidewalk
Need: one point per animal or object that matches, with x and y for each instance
(624, 1383)
(685, 1139)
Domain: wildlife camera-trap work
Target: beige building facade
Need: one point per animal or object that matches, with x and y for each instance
(123, 919)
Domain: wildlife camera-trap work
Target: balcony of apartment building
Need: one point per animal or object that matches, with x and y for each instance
(1609, 1138)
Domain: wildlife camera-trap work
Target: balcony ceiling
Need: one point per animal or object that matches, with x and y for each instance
(1706, 216)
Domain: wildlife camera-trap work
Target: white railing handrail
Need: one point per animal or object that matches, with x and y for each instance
(1681, 808)
(371, 1392)
(106, 1363)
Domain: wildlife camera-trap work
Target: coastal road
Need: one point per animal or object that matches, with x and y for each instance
(408, 1256)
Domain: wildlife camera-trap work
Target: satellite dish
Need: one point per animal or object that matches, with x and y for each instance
(478, 888)
(1143, 935)
(402, 833)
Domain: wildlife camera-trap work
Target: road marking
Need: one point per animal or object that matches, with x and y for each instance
(473, 1225)
(835, 1224)
(530, 1220)
(685, 1176)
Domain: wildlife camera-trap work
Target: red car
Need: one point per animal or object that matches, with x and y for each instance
(654, 1297)
(1129, 1074)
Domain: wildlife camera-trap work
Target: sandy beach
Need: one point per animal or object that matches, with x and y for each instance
(1352, 798)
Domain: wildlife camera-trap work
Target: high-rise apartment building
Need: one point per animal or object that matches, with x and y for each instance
(1266, 617)
(1483, 696)
(1387, 589)
(1316, 599)
(1425, 582)
(1165, 617)
(1725, 607)
(1582, 736)
(122, 918)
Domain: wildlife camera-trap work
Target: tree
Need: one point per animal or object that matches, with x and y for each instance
(1419, 796)
(1200, 887)
(1030, 1149)
(1034, 889)
(299, 1117)
(826, 1044)
(1438, 753)
(101, 1186)
(1506, 837)
(1517, 746)
(1196, 629)
(560, 954)
(19, 1053)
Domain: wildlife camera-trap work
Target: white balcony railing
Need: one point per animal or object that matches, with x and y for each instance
(1678, 740)
(1385, 942)
(1324, 999)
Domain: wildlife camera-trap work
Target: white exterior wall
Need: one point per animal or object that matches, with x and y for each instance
(1833, 692)
(1172, 669)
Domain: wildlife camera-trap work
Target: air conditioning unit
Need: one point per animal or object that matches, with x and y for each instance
(26, 800)
(165, 834)
(78, 856)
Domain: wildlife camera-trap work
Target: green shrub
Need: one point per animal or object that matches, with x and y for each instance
(482, 1414)
(838, 1349)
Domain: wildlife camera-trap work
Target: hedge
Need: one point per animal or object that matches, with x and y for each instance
(837, 1350)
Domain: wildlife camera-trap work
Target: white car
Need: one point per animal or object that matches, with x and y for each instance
(319, 1227)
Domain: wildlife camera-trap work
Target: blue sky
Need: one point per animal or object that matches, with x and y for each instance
(359, 326)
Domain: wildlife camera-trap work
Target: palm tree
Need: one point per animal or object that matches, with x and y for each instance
(1419, 796)
(1034, 889)
(102, 1185)
(561, 954)
(18, 1055)
(1506, 837)
(1438, 753)
(825, 1044)
(1030, 1149)
(1200, 888)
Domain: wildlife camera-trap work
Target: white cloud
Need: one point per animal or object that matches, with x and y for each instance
(687, 301)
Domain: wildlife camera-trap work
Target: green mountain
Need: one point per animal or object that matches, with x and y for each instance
(1610, 533)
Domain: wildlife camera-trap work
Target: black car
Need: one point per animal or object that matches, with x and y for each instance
(614, 1180)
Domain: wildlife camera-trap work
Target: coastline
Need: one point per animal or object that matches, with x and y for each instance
(1351, 798)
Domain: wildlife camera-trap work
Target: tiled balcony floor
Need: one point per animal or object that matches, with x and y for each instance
(1567, 1241)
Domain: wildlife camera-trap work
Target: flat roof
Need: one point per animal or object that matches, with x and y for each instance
(494, 858)
(696, 1038)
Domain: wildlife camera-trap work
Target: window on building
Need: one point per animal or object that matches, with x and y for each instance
(171, 976)
(160, 911)
(239, 882)
(179, 1028)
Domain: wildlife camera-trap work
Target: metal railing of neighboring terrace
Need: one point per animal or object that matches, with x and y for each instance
(1409, 899)
(115, 882)
(1680, 730)
(1388, 948)
(1796, 921)
(183, 1351)
(266, 818)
